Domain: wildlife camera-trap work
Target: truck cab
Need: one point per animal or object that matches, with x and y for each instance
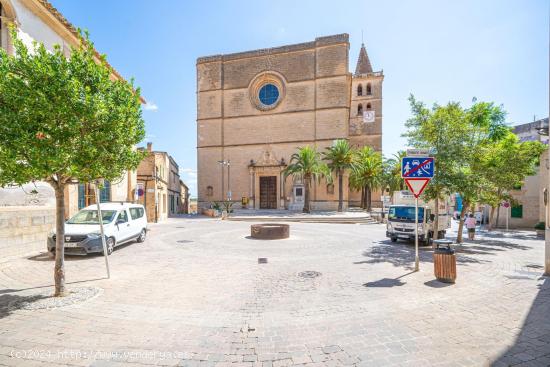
(401, 218)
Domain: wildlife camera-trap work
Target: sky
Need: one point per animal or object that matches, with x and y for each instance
(438, 50)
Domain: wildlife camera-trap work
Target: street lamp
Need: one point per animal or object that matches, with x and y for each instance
(228, 164)
(543, 131)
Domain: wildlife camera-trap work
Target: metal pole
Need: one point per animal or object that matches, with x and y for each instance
(416, 260)
(100, 218)
(229, 180)
(507, 215)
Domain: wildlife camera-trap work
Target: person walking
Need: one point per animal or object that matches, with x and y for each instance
(470, 223)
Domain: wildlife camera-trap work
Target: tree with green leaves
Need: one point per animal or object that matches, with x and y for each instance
(340, 159)
(64, 120)
(366, 174)
(307, 165)
(442, 130)
(456, 135)
(504, 165)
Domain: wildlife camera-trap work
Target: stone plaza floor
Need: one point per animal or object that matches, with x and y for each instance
(194, 294)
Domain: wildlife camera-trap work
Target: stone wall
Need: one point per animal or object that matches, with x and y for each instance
(23, 230)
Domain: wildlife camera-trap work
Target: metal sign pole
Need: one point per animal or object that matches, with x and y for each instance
(507, 215)
(416, 260)
(100, 218)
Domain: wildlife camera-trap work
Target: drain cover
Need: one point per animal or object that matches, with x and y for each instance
(309, 274)
(262, 260)
(184, 241)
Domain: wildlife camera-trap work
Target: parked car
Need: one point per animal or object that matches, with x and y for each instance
(122, 223)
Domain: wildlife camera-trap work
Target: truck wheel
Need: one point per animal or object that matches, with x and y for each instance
(393, 239)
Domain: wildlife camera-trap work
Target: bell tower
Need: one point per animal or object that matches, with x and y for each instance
(365, 123)
(365, 116)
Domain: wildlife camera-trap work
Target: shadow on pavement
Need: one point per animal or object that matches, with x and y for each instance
(434, 283)
(12, 302)
(532, 346)
(385, 283)
(401, 254)
(388, 282)
(10, 290)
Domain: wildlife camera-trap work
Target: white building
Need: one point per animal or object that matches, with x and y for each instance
(27, 213)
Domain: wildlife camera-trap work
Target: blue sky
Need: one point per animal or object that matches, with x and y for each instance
(439, 50)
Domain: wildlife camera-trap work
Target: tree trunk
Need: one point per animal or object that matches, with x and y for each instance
(340, 189)
(436, 218)
(362, 204)
(491, 216)
(59, 268)
(498, 215)
(368, 196)
(306, 194)
(465, 205)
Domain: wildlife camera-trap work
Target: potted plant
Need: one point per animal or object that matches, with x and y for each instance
(540, 228)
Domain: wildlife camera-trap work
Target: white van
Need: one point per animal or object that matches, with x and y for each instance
(122, 223)
(401, 218)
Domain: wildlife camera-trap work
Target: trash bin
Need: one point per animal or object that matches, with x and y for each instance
(444, 261)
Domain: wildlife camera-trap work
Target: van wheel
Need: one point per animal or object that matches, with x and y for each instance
(142, 235)
(110, 243)
(393, 239)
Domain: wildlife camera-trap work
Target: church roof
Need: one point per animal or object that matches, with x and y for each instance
(363, 62)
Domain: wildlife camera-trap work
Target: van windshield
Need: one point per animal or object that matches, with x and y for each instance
(90, 217)
(405, 213)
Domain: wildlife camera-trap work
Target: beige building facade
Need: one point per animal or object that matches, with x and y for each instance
(529, 208)
(256, 108)
(184, 198)
(159, 186)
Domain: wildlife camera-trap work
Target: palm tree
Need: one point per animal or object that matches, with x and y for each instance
(366, 174)
(340, 158)
(392, 179)
(307, 165)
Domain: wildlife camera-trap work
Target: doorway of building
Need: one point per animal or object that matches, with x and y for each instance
(268, 192)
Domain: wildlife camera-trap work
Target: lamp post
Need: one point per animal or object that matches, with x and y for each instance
(543, 130)
(228, 164)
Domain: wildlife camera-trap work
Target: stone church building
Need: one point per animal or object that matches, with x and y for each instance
(256, 108)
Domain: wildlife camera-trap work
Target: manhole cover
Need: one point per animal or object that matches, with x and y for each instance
(184, 241)
(309, 274)
(262, 260)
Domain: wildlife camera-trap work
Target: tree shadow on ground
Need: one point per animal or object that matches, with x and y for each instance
(401, 254)
(11, 290)
(514, 235)
(46, 256)
(532, 346)
(12, 302)
(486, 247)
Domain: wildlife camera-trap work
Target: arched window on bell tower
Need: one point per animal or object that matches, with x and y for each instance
(368, 107)
(359, 90)
(369, 89)
(359, 109)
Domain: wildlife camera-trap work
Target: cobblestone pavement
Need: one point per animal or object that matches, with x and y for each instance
(194, 294)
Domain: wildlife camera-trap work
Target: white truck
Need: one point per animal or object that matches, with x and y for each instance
(400, 223)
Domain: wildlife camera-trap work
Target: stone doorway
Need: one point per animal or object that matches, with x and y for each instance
(268, 192)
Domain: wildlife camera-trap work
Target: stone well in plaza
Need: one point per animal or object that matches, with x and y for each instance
(270, 231)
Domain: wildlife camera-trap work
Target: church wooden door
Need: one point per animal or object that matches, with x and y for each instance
(268, 192)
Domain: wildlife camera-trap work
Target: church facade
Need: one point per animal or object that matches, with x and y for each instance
(256, 108)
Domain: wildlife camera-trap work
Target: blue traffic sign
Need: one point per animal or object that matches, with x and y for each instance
(418, 167)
